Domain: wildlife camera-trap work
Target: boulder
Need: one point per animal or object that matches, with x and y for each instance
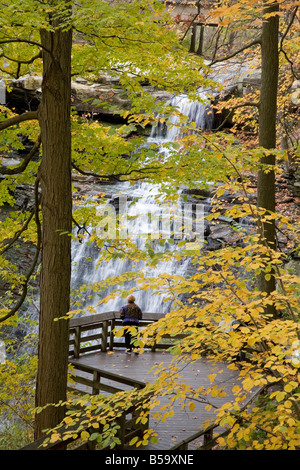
(98, 98)
(105, 97)
(295, 98)
(250, 81)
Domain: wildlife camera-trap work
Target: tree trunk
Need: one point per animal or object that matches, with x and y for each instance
(267, 135)
(200, 44)
(193, 39)
(55, 177)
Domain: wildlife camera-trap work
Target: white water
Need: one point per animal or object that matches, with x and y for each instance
(147, 199)
(139, 226)
(198, 112)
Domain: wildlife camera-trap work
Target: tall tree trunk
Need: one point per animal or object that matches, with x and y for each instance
(55, 177)
(193, 39)
(200, 44)
(267, 134)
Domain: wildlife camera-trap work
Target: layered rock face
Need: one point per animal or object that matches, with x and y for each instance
(105, 97)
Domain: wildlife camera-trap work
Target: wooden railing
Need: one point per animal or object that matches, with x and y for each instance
(127, 429)
(87, 335)
(96, 333)
(208, 440)
(93, 379)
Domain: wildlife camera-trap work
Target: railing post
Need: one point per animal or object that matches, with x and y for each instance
(184, 446)
(208, 435)
(153, 347)
(104, 336)
(77, 341)
(121, 420)
(111, 335)
(91, 445)
(96, 381)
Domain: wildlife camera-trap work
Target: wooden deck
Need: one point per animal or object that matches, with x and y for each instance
(184, 423)
(100, 365)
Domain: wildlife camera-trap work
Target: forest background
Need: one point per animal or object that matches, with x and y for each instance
(252, 283)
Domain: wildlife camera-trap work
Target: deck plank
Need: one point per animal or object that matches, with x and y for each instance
(184, 422)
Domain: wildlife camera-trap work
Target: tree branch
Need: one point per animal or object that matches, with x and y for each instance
(28, 275)
(29, 61)
(81, 228)
(26, 41)
(29, 116)
(20, 168)
(17, 234)
(290, 62)
(255, 42)
(232, 109)
(288, 28)
(283, 38)
(113, 176)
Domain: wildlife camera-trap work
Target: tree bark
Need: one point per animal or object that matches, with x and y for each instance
(55, 177)
(200, 44)
(267, 135)
(193, 39)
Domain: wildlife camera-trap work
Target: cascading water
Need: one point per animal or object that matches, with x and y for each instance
(198, 112)
(146, 200)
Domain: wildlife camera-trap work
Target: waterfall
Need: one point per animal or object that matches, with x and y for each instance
(146, 215)
(2, 92)
(198, 112)
(146, 212)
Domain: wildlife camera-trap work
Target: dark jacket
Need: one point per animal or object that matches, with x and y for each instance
(131, 313)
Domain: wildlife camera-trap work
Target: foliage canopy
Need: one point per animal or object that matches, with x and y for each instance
(138, 42)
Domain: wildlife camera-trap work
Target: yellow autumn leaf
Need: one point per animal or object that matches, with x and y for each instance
(289, 387)
(248, 384)
(231, 443)
(236, 389)
(212, 377)
(191, 406)
(280, 396)
(221, 441)
(68, 420)
(251, 341)
(291, 422)
(84, 435)
(54, 437)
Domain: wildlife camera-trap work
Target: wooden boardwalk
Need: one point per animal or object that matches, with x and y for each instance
(184, 422)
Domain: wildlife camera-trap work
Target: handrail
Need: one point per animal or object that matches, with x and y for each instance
(112, 315)
(128, 426)
(208, 443)
(106, 322)
(95, 383)
(100, 328)
(127, 429)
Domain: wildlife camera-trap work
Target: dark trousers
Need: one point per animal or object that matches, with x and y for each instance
(128, 335)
